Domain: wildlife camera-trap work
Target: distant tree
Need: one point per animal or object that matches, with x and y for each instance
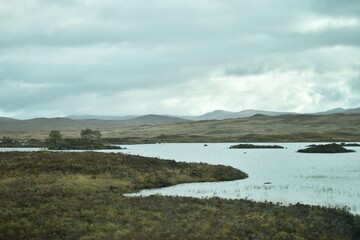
(89, 136)
(8, 140)
(55, 140)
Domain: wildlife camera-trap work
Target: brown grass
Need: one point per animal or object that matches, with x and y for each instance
(46, 195)
(334, 127)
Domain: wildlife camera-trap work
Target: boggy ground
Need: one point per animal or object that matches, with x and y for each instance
(56, 195)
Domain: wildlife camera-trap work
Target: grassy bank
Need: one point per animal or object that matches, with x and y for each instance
(47, 195)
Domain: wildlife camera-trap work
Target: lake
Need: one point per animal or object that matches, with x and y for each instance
(318, 179)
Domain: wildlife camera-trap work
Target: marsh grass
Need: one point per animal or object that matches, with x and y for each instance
(55, 195)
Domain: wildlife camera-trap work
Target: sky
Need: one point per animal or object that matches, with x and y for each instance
(177, 57)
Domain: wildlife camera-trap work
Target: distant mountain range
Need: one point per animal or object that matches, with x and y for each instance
(340, 110)
(46, 124)
(100, 117)
(215, 115)
(221, 114)
(76, 122)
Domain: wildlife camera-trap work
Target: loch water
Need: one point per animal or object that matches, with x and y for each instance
(276, 175)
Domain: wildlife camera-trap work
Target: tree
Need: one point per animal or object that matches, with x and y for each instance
(55, 140)
(8, 140)
(90, 136)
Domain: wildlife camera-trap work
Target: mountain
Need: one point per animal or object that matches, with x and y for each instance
(331, 111)
(153, 119)
(6, 119)
(40, 124)
(164, 119)
(100, 117)
(215, 115)
(340, 110)
(154, 128)
(48, 124)
(220, 114)
(97, 122)
(352, 110)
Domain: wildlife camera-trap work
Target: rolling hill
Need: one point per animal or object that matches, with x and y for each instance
(340, 110)
(258, 128)
(100, 117)
(153, 119)
(214, 115)
(221, 115)
(67, 124)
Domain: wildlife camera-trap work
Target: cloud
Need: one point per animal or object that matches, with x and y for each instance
(337, 7)
(315, 24)
(176, 57)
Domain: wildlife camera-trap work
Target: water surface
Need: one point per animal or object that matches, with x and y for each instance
(318, 179)
(276, 175)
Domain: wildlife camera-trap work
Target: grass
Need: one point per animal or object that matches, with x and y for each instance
(286, 128)
(57, 195)
(325, 148)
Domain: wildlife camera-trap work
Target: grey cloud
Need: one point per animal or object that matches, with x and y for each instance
(330, 94)
(244, 70)
(354, 84)
(343, 37)
(337, 7)
(109, 48)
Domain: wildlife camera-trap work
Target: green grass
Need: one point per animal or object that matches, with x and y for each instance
(53, 195)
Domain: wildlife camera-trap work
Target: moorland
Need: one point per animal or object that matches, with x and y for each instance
(63, 195)
(258, 128)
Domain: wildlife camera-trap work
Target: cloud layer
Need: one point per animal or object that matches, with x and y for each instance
(177, 57)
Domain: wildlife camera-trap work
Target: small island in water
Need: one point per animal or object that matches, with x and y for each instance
(250, 146)
(350, 144)
(325, 148)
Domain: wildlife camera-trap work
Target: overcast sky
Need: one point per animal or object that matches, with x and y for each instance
(184, 57)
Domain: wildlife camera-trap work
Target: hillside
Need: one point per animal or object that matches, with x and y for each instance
(100, 117)
(221, 115)
(332, 127)
(215, 115)
(153, 119)
(48, 124)
(340, 110)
